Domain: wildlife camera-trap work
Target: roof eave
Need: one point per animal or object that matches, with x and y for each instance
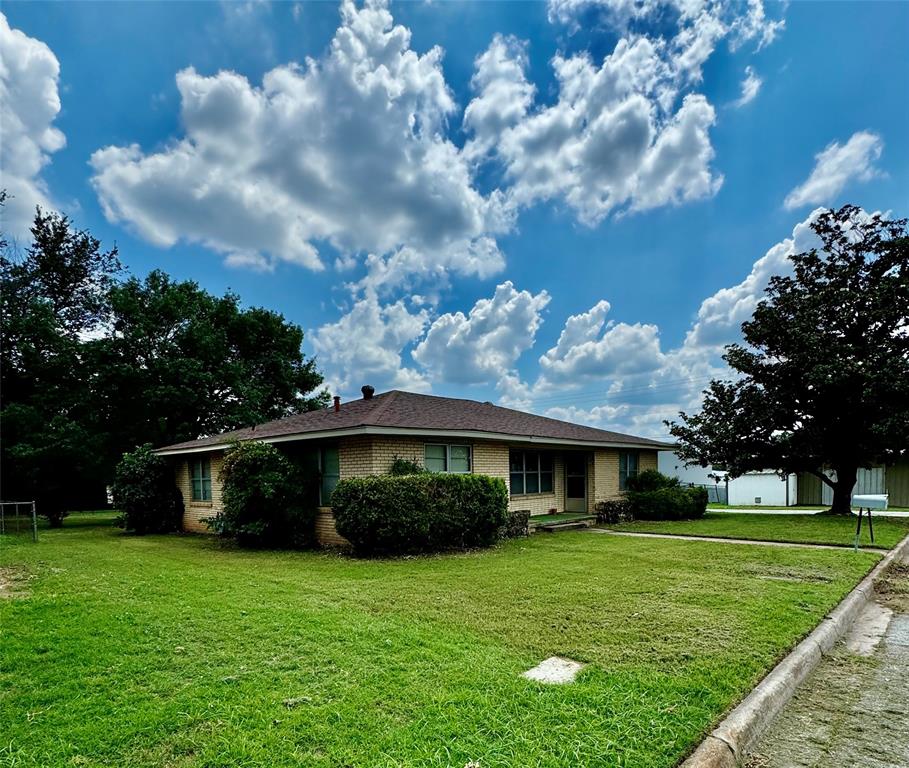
(423, 432)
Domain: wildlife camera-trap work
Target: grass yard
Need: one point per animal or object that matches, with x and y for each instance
(178, 651)
(802, 529)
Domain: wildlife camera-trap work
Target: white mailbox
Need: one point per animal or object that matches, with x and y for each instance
(870, 501)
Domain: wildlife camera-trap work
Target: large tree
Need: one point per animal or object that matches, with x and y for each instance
(824, 370)
(52, 297)
(91, 367)
(179, 363)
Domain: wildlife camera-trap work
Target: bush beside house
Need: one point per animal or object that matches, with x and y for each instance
(426, 512)
(145, 493)
(264, 498)
(612, 511)
(652, 495)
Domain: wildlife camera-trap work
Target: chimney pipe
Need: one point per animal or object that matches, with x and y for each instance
(337, 403)
(367, 391)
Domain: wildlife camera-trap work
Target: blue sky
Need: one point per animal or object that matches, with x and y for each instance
(565, 207)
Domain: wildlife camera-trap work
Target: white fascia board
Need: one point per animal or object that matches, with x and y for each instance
(458, 434)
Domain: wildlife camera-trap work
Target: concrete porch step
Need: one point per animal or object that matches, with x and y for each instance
(568, 525)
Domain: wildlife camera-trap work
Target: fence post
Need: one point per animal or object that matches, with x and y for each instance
(34, 524)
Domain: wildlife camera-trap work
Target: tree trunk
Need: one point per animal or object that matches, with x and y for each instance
(842, 490)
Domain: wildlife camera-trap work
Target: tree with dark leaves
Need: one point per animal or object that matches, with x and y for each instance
(824, 370)
(91, 367)
(179, 363)
(51, 298)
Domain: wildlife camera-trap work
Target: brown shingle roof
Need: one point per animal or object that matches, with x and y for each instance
(406, 411)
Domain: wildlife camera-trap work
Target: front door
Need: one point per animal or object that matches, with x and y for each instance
(575, 482)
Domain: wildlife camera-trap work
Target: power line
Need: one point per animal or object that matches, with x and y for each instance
(588, 395)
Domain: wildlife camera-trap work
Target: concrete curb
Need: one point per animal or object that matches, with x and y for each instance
(739, 731)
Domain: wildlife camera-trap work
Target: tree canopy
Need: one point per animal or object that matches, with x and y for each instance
(51, 297)
(824, 370)
(94, 365)
(178, 363)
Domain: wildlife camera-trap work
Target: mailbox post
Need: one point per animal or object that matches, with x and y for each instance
(867, 501)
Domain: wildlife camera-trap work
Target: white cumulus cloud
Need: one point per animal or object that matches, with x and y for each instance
(589, 348)
(483, 345)
(626, 134)
(349, 150)
(29, 105)
(721, 315)
(743, 20)
(365, 347)
(617, 376)
(836, 166)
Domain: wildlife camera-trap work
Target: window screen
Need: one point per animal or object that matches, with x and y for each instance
(200, 475)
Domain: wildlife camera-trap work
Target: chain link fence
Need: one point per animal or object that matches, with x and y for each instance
(18, 517)
(716, 494)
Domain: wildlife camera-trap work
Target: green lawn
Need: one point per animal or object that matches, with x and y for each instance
(810, 529)
(714, 505)
(178, 651)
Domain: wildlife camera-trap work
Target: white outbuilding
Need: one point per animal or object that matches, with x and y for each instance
(754, 489)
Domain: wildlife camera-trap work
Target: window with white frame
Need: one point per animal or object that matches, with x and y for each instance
(200, 477)
(440, 457)
(530, 472)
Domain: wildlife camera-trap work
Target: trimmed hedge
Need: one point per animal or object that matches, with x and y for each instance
(426, 512)
(654, 496)
(673, 503)
(613, 511)
(517, 525)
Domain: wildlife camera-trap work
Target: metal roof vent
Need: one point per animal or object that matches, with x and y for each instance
(367, 391)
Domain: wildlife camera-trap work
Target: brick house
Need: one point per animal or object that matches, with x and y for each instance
(547, 464)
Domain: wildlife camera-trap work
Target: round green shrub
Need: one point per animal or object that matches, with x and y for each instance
(146, 493)
(427, 512)
(652, 495)
(263, 499)
(650, 480)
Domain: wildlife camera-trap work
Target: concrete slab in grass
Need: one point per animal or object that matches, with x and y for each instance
(555, 671)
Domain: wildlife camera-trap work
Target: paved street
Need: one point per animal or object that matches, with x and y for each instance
(854, 711)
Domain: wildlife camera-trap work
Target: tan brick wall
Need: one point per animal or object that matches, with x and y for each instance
(360, 456)
(606, 471)
(605, 474)
(195, 511)
(326, 533)
(373, 456)
(386, 449)
(491, 459)
(355, 457)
